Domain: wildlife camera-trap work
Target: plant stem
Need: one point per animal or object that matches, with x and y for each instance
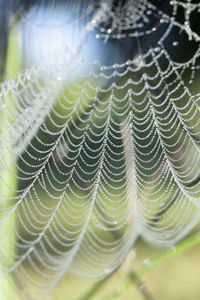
(141, 285)
(8, 174)
(155, 261)
(94, 290)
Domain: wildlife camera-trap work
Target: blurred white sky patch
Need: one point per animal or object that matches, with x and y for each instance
(54, 32)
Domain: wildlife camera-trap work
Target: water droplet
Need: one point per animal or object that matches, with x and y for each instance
(59, 78)
(175, 43)
(132, 254)
(172, 248)
(107, 271)
(109, 31)
(146, 263)
(149, 12)
(97, 36)
(94, 21)
(129, 62)
(157, 49)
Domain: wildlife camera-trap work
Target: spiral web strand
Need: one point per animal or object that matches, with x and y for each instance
(104, 154)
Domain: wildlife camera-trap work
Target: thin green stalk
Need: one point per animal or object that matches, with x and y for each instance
(183, 246)
(94, 290)
(9, 174)
(132, 276)
(141, 285)
(155, 261)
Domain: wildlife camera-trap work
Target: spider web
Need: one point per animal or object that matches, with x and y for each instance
(104, 154)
